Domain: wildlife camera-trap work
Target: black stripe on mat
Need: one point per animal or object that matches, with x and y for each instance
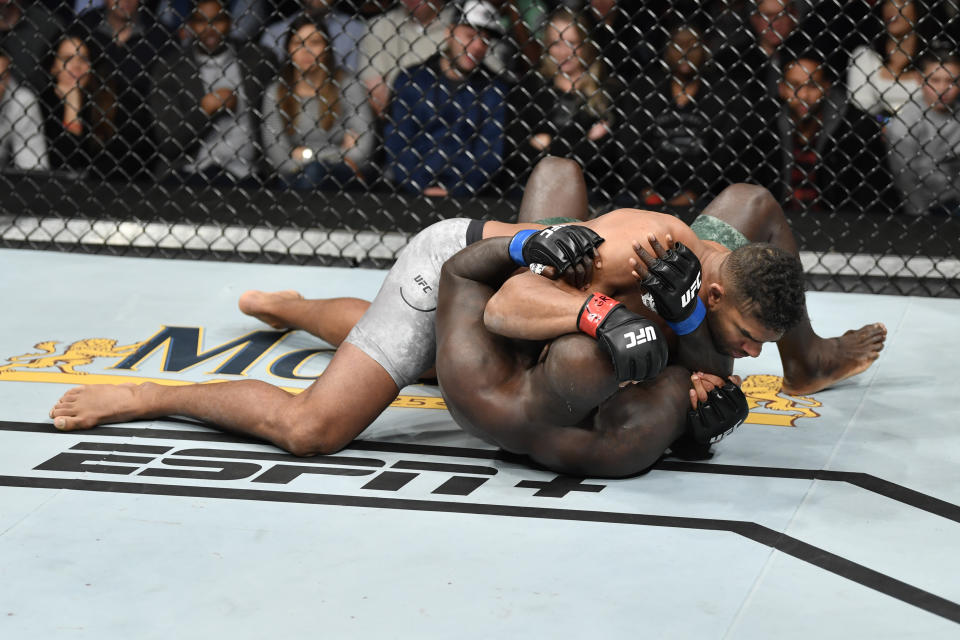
(865, 481)
(816, 556)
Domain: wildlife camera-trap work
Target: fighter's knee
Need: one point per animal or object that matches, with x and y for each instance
(307, 441)
(557, 166)
(305, 435)
(752, 196)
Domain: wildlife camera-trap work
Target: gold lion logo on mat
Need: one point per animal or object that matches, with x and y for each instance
(81, 352)
(763, 391)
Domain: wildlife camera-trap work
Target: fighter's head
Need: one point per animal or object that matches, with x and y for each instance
(758, 297)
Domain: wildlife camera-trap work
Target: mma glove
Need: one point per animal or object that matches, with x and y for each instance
(559, 246)
(674, 282)
(725, 410)
(635, 344)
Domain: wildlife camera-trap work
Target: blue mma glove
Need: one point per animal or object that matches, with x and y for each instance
(674, 282)
(559, 246)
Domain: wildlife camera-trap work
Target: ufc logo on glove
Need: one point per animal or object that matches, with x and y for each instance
(640, 337)
(691, 292)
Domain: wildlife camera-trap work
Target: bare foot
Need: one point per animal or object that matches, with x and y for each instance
(830, 361)
(90, 405)
(262, 305)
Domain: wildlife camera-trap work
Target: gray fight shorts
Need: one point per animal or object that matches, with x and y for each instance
(398, 330)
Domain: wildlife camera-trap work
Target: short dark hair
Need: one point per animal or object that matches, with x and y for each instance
(770, 280)
(940, 55)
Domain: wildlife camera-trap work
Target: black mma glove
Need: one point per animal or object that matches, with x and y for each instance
(725, 410)
(559, 246)
(635, 344)
(674, 281)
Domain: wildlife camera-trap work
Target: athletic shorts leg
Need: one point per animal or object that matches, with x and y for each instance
(710, 228)
(399, 328)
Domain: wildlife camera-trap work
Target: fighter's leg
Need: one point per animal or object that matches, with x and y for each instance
(555, 189)
(810, 363)
(328, 319)
(324, 418)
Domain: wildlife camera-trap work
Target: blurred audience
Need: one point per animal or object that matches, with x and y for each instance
(402, 37)
(28, 30)
(446, 133)
(881, 78)
(345, 32)
(924, 138)
(826, 157)
(125, 41)
(248, 17)
(22, 144)
(316, 119)
(68, 110)
(205, 99)
(675, 120)
(564, 109)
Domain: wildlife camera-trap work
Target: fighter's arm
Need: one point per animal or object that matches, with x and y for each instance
(631, 430)
(555, 313)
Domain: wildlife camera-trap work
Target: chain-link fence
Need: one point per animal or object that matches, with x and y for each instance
(324, 131)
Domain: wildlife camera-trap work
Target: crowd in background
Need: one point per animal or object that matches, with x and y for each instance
(832, 105)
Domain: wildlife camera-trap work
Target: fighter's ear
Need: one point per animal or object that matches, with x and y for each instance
(715, 294)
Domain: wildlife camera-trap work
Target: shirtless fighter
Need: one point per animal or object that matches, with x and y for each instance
(561, 405)
(317, 421)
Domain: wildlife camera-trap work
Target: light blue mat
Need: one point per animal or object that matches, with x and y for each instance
(834, 516)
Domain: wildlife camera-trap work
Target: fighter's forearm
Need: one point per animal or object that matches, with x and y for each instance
(695, 351)
(531, 307)
(487, 262)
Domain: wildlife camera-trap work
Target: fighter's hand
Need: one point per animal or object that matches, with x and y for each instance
(724, 409)
(703, 383)
(567, 251)
(672, 277)
(636, 346)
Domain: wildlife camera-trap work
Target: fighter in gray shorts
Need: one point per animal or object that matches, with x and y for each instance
(398, 329)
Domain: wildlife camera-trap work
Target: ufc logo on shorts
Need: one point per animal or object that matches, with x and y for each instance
(691, 293)
(639, 337)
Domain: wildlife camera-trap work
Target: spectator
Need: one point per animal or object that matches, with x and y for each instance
(880, 79)
(317, 121)
(125, 41)
(674, 123)
(826, 157)
(447, 130)
(22, 145)
(205, 98)
(626, 33)
(403, 37)
(249, 17)
(517, 54)
(68, 110)
(565, 108)
(924, 139)
(27, 33)
(345, 32)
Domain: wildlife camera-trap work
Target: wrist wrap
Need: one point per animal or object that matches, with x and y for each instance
(516, 245)
(593, 312)
(690, 325)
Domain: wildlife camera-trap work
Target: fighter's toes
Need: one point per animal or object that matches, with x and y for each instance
(66, 423)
